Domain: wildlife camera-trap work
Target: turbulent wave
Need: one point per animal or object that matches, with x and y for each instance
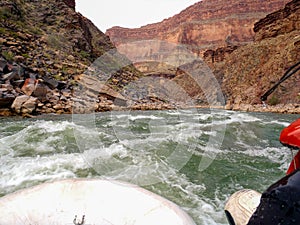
(160, 150)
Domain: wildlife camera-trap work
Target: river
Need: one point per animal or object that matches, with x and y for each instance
(196, 158)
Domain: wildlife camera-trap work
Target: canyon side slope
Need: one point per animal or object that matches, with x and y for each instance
(251, 70)
(46, 46)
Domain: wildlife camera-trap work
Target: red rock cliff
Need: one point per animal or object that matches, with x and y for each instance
(205, 25)
(252, 69)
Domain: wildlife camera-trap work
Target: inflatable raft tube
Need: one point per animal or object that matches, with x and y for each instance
(241, 205)
(89, 202)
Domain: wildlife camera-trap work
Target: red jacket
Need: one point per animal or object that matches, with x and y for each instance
(290, 136)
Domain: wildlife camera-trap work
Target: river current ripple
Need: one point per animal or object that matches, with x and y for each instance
(160, 150)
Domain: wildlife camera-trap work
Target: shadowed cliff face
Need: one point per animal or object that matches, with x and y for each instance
(205, 25)
(278, 23)
(42, 31)
(70, 3)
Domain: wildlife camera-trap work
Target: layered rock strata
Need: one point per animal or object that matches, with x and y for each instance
(208, 24)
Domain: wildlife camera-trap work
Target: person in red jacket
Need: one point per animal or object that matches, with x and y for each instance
(290, 137)
(280, 203)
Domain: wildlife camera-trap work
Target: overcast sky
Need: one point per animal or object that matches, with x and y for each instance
(129, 13)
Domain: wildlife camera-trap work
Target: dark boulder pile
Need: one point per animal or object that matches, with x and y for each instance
(24, 92)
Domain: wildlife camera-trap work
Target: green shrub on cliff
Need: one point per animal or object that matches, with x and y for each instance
(8, 55)
(274, 100)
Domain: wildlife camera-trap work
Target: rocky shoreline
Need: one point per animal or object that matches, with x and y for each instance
(280, 108)
(23, 92)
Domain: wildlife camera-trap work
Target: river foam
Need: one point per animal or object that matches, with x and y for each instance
(159, 150)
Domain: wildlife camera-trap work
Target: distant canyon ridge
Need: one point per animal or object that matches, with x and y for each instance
(208, 24)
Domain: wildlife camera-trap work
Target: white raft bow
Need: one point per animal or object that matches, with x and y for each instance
(89, 202)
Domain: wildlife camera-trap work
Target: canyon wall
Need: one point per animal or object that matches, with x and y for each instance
(249, 71)
(208, 24)
(246, 68)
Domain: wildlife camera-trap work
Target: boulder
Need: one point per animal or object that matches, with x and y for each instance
(18, 103)
(19, 58)
(2, 40)
(92, 85)
(9, 76)
(18, 69)
(29, 86)
(52, 83)
(3, 64)
(40, 91)
(29, 106)
(5, 112)
(24, 104)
